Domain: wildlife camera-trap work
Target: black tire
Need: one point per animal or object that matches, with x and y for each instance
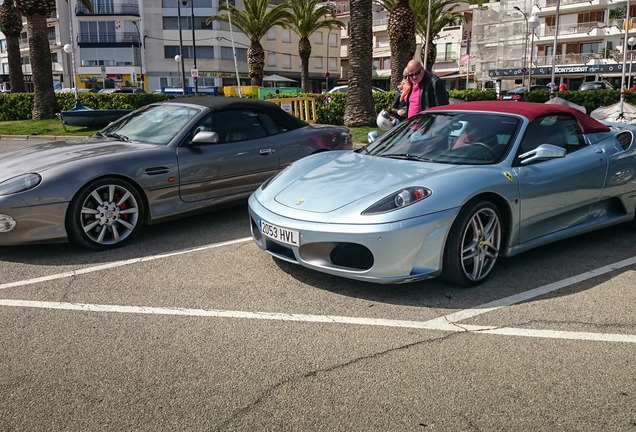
(473, 245)
(105, 214)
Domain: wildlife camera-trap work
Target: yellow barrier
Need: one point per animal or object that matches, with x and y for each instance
(245, 91)
(302, 107)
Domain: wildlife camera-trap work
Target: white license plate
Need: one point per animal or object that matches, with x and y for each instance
(279, 234)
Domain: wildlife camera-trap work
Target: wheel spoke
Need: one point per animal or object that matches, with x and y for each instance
(125, 224)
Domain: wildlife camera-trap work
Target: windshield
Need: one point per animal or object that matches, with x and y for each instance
(463, 138)
(156, 124)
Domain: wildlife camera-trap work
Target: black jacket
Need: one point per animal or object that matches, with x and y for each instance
(432, 93)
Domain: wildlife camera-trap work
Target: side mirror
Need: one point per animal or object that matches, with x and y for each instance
(544, 151)
(372, 136)
(205, 137)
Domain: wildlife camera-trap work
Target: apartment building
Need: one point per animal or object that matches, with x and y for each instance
(589, 40)
(452, 64)
(135, 42)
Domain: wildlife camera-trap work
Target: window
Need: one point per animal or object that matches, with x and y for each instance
(286, 37)
(559, 130)
(591, 48)
(232, 126)
(271, 59)
(318, 62)
(448, 51)
(287, 61)
(333, 39)
(333, 64)
(271, 34)
(591, 16)
(318, 38)
(227, 54)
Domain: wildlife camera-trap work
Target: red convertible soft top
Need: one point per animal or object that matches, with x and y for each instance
(530, 110)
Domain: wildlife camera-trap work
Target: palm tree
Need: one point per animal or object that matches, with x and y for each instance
(307, 17)
(401, 30)
(359, 110)
(442, 15)
(36, 13)
(11, 26)
(254, 21)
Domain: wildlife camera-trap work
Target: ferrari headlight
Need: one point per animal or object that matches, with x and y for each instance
(399, 200)
(20, 183)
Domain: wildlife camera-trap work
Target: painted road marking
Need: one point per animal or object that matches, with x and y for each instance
(450, 322)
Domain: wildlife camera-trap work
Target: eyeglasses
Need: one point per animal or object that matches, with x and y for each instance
(414, 74)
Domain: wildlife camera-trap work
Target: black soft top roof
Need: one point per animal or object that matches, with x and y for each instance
(221, 103)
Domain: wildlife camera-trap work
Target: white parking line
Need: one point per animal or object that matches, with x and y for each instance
(119, 264)
(450, 322)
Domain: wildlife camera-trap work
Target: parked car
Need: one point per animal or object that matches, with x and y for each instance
(596, 85)
(448, 192)
(516, 94)
(164, 160)
(123, 90)
(345, 89)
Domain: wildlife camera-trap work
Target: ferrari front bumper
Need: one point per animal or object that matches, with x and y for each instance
(388, 253)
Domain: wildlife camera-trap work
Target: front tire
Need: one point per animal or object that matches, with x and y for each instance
(473, 245)
(105, 214)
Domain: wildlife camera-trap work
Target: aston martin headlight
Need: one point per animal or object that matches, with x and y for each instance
(20, 183)
(399, 199)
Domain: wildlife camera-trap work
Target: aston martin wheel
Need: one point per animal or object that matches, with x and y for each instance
(105, 214)
(473, 244)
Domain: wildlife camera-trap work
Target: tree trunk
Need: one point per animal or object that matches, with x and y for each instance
(16, 77)
(304, 50)
(44, 101)
(256, 63)
(359, 110)
(401, 29)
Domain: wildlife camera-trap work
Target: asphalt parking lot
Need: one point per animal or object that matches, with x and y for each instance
(192, 327)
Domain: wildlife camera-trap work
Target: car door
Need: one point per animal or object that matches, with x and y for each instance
(557, 194)
(243, 158)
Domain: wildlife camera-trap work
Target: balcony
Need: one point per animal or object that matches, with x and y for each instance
(123, 38)
(130, 8)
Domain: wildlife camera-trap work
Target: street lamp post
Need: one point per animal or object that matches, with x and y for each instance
(525, 44)
(631, 42)
(183, 81)
(533, 23)
(194, 46)
(178, 59)
(68, 49)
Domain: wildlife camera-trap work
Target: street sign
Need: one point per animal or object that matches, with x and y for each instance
(524, 70)
(194, 73)
(327, 75)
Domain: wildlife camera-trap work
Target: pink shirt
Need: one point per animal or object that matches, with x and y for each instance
(414, 100)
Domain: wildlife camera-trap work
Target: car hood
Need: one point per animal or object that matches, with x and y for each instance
(41, 157)
(351, 177)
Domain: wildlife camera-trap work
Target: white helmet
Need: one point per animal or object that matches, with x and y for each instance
(385, 121)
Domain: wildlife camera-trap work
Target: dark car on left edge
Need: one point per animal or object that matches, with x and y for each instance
(162, 161)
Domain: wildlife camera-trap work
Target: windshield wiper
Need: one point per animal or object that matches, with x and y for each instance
(116, 136)
(408, 156)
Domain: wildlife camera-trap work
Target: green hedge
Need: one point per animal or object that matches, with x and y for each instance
(330, 106)
(19, 106)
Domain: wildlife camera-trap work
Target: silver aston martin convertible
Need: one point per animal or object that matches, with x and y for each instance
(448, 192)
(162, 161)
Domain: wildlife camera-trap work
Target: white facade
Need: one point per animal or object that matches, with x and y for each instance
(134, 43)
